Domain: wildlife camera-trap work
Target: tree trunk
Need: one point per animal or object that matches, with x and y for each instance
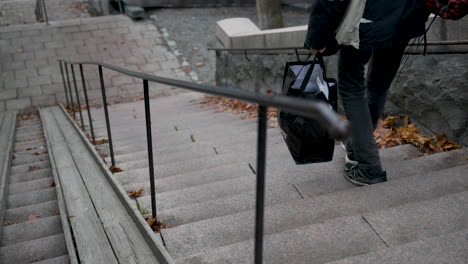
(269, 14)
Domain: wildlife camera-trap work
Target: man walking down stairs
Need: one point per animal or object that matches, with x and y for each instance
(32, 229)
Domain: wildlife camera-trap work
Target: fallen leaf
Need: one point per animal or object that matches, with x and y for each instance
(102, 141)
(186, 68)
(200, 64)
(115, 169)
(7, 223)
(155, 225)
(34, 168)
(34, 217)
(52, 185)
(135, 194)
(28, 149)
(121, 41)
(196, 49)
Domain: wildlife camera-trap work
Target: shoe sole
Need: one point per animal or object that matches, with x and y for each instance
(353, 181)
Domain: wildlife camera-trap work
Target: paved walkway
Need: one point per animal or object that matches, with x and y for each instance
(30, 74)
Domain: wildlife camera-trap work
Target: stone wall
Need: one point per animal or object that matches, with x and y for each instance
(17, 12)
(432, 90)
(30, 73)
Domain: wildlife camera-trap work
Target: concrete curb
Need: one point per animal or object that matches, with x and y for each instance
(156, 245)
(4, 174)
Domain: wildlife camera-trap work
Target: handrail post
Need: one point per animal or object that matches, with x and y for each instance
(77, 96)
(149, 140)
(64, 84)
(106, 112)
(72, 104)
(87, 104)
(45, 12)
(260, 202)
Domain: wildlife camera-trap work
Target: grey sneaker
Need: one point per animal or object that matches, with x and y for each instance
(361, 177)
(349, 158)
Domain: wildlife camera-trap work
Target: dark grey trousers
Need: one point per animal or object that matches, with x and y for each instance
(364, 98)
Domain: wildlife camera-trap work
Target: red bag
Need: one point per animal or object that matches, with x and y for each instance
(448, 9)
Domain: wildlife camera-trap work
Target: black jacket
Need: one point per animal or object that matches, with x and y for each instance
(386, 22)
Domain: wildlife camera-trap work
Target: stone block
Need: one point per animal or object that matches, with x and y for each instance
(25, 56)
(52, 88)
(12, 66)
(40, 80)
(13, 84)
(285, 37)
(8, 94)
(43, 101)
(18, 104)
(231, 27)
(122, 80)
(135, 12)
(250, 41)
(152, 68)
(29, 91)
(26, 73)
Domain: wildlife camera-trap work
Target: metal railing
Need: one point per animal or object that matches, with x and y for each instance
(41, 11)
(319, 111)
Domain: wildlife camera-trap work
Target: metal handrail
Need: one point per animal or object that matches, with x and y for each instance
(319, 111)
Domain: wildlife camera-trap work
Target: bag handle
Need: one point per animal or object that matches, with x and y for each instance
(318, 59)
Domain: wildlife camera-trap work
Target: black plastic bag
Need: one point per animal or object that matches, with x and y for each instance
(307, 140)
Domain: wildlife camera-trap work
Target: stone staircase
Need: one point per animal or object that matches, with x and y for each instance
(205, 182)
(32, 229)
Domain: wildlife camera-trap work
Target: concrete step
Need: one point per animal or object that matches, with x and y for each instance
(224, 141)
(197, 117)
(168, 154)
(34, 250)
(175, 128)
(24, 144)
(161, 119)
(21, 214)
(322, 242)
(215, 190)
(425, 219)
(23, 159)
(26, 127)
(446, 249)
(187, 156)
(31, 230)
(32, 133)
(348, 236)
(28, 186)
(20, 139)
(321, 180)
(120, 129)
(58, 260)
(24, 168)
(15, 200)
(30, 176)
(237, 227)
(190, 179)
(30, 152)
(244, 144)
(125, 138)
(182, 167)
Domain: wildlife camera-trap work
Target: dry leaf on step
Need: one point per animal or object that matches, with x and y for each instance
(135, 194)
(34, 217)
